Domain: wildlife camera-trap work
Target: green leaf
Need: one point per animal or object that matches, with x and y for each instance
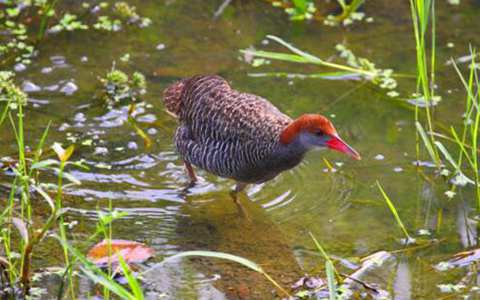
(132, 281)
(243, 261)
(394, 212)
(311, 58)
(96, 274)
(426, 141)
(45, 163)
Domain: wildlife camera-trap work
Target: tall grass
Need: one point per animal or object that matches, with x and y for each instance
(467, 142)
(423, 13)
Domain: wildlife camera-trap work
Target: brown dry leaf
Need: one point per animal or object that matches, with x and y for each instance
(108, 251)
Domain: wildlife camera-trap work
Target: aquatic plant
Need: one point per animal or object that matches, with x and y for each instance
(298, 9)
(355, 67)
(467, 142)
(20, 207)
(18, 45)
(349, 13)
(422, 11)
(119, 86)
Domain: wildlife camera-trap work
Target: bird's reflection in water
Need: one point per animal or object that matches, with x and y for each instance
(212, 221)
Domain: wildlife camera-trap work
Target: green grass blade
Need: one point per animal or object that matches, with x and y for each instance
(394, 211)
(426, 142)
(240, 260)
(230, 257)
(132, 281)
(323, 75)
(96, 274)
(277, 56)
(332, 288)
(309, 57)
(3, 116)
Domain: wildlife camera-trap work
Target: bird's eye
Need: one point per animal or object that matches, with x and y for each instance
(318, 133)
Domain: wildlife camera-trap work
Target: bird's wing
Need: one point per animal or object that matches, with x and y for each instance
(215, 112)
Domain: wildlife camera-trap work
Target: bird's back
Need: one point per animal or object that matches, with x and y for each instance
(222, 130)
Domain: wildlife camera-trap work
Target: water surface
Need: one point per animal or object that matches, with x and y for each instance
(343, 209)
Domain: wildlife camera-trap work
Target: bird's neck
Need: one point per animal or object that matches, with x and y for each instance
(293, 150)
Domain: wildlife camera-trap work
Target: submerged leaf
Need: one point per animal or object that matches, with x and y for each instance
(107, 251)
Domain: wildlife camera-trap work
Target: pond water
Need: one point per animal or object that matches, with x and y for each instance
(343, 210)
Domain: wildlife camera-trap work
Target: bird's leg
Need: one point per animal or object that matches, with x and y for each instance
(190, 172)
(240, 186)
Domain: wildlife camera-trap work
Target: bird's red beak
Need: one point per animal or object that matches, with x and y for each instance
(336, 143)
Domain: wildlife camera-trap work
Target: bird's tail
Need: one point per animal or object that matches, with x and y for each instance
(172, 96)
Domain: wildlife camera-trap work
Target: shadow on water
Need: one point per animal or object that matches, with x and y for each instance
(215, 223)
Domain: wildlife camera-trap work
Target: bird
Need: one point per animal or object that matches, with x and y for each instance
(242, 136)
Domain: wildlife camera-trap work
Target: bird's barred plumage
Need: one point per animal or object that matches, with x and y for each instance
(228, 133)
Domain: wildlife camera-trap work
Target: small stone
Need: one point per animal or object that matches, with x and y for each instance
(379, 157)
(132, 145)
(397, 169)
(160, 47)
(100, 151)
(79, 117)
(30, 87)
(51, 88)
(58, 60)
(63, 127)
(46, 70)
(84, 59)
(19, 67)
(152, 131)
(450, 45)
(69, 88)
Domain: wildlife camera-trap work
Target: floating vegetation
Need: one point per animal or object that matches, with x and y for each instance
(120, 87)
(68, 22)
(17, 43)
(355, 67)
(297, 9)
(349, 14)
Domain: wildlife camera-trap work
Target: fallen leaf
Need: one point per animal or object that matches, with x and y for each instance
(107, 251)
(461, 259)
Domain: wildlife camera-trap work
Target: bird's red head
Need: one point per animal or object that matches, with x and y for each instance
(321, 129)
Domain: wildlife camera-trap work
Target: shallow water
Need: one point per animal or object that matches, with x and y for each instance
(343, 210)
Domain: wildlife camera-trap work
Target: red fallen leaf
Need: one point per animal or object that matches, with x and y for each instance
(132, 252)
